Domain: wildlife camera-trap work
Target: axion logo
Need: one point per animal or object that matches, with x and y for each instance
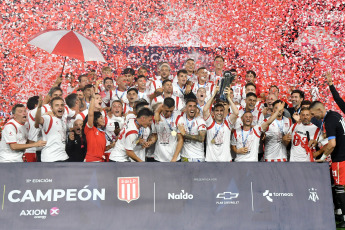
(54, 211)
(180, 196)
(128, 188)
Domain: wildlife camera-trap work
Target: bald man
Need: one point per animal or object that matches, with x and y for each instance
(334, 125)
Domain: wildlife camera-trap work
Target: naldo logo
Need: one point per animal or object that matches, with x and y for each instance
(180, 196)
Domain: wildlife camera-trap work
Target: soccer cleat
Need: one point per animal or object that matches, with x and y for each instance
(341, 224)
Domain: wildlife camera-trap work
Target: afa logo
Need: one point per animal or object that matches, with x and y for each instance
(128, 188)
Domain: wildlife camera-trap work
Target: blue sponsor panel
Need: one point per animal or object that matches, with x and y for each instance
(166, 196)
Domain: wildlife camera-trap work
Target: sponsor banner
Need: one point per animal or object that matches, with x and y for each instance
(166, 196)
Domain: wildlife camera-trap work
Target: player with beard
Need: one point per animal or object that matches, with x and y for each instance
(251, 88)
(277, 136)
(334, 126)
(119, 93)
(301, 134)
(14, 137)
(202, 74)
(54, 130)
(142, 89)
(108, 85)
(217, 75)
(155, 88)
(129, 73)
(219, 129)
(130, 136)
(246, 139)
(258, 116)
(132, 97)
(251, 77)
(189, 66)
(297, 96)
(180, 88)
(166, 135)
(193, 130)
(168, 92)
(76, 143)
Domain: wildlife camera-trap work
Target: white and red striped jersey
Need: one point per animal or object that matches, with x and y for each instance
(178, 91)
(127, 108)
(13, 133)
(299, 141)
(247, 139)
(166, 143)
(193, 78)
(157, 83)
(110, 128)
(34, 134)
(214, 78)
(127, 140)
(179, 103)
(54, 132)
(275, 150)
(258, 106)
(143, 95)
(115, 94)
(258, 117)
(237, 89)
(209, 86)
(218, 141)
(192, 149)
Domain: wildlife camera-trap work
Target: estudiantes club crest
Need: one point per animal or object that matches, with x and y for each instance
(128, 188)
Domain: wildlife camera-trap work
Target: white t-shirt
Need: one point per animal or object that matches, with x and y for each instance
(209, 86)
(13, 133)
(247, 138)
(215, 78)
(127, 140)
(274, 147)
(82, 115)
(299, 140)
(237, 89)
(143, 95)
(138, 149)
(110, 128)
(178, 91)
(192, 149)
(54, 132)
(179, 103)
(166, 143)
(34, 134)
(115, 94)
(258, 118)
(219, 150)
(193, 78)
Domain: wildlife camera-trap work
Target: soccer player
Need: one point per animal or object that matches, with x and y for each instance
(193, 130)
(155, 88)
(218, 129)
(180, 88)
(200, 99)
(132, 97)
(251, 88)
(108, 85)
(142, 88)
(202, 74)
(97, 107)
(246, 140)
(54, 130)
(277, 136)
(34, 134)
(14, 137)
(132, 135)
(168, 92)
(217, 75)
(129, 73)
(119, 93)
(301, 134)
(334, 125)
(166, 135)
(258, 116)
(190, 67)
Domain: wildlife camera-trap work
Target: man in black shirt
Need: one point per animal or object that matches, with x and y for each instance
(76, 143)
(297, 96)
(334, 125)
(340, 102)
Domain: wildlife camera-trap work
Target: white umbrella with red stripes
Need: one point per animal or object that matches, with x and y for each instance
(67, 43)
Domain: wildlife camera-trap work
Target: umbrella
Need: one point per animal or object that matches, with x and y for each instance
(67, 43)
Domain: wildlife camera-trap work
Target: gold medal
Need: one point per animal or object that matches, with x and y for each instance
(213, 141)
(137, 142)
(173, 133)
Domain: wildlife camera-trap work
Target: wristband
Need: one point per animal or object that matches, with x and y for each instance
(323, 157)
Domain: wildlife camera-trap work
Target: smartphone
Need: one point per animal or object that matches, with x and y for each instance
(117, 125)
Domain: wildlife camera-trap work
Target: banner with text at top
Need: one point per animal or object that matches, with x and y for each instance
(166, 196)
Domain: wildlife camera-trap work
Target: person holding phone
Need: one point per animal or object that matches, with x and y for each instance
(76, 143)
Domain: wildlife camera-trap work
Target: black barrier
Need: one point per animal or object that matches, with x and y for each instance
(165, 196)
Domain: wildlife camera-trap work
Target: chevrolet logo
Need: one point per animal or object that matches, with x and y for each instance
(227, 195)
